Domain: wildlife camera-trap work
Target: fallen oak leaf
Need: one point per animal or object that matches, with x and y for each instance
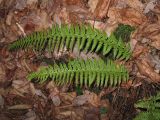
(146, 70)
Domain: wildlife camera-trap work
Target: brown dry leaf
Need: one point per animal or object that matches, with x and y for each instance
(21, 86)
(68, 97)
(152, 32)
(92, 114)
(66, 114)
(138, 50)
(136, 4)
(74, 2)
(87, 97)
(146, 70)
(150, 6)
(31, 2)
(92, 5)
(102, 8)
(20, 107)
(2, 73)
(128, 16)
(54, 93)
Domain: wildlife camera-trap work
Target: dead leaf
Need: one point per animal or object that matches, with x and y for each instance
(31, 2)
(87, 97)
(102, 8)
(1, 102)
(74, 2)
(21, 86)
(128, 16)
(40, 93)
(92, 5)
(30, 115)
(20, 107)
(150, 6)
(136, 4)
(2, 73)
(138, 50)
(54, 93)
(20, 4)
(146, 70)
(92, 114)
(67, 98)
(152, 32)
(9, 18)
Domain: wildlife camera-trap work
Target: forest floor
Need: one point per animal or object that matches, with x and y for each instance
(21, 99)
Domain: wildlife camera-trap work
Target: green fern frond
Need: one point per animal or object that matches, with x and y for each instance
(124, 32)
(83, 73)
(87, 38)
(152, 105)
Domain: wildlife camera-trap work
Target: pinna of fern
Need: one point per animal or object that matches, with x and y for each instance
(87, 38)
(83, 73)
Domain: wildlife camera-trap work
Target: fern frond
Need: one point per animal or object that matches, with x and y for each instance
(152, 105)
(124, 32)
(87, 38)
(84, 73)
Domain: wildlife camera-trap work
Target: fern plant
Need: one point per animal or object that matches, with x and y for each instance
(152, 107)
(84, 73)
(87, 38)
(124, 32)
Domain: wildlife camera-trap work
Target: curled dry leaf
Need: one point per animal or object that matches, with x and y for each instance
(146, 70)
(92, 5)
(92, 114)
(68, 97)
(152, 32)
(31, 115)
(138, 50)
(128, 16)
(54, 93)
(87, 97)
(150, 6)
(136, 4)
(66, 114)
(20, 107)
(102, 8)
(2, 73)
(31, 2)
(74, 2)
(22, 86)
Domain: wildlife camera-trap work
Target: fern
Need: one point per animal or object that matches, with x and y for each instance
(87, 38)
(152, 105)
(84, 73)
(124, 32)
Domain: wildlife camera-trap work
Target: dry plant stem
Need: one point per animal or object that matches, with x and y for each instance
(22, 30)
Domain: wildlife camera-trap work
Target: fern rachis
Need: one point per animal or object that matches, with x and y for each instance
(83, 73)
(85, 37)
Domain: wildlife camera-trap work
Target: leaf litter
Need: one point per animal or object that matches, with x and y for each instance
(49, 101)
